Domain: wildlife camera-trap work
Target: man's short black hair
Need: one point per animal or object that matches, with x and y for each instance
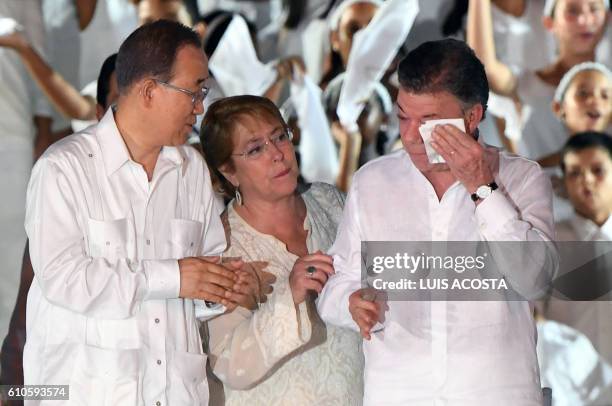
(586, 140)
(446, 65)
(151, 51)
(108, 67)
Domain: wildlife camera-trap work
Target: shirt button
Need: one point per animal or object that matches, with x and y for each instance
(158, 362)
(158, 403)
(191, 245)
(107, 242)
(148, 242)
(157, 321)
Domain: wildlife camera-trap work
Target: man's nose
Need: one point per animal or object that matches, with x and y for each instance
(411, 132)
(198, 108)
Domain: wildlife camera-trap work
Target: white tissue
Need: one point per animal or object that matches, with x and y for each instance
(9, 26)
(426, 130)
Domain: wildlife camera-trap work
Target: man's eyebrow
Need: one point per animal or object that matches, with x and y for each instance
(400, 107)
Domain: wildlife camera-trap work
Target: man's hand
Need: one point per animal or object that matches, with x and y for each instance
(202, 278)
(252, 286)
(367, 307)
(464, 156)
(302, 281)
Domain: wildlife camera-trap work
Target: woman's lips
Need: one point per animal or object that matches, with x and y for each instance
(283, 173)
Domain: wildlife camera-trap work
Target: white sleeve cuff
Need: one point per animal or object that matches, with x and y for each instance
(163, 279)
(206, 311)
(494, 212)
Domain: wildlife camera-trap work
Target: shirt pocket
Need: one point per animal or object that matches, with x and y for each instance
(185, 238)
(188, 385)
(104, 377)
(112, 334)
(109, 239)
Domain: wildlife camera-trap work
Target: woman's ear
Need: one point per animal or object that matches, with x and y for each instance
(229, 173)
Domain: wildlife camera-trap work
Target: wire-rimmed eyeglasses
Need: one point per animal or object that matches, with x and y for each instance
(196, 97)
(257, 149)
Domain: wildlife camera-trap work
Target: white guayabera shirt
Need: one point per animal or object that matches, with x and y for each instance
(444, 352)
(103, 312)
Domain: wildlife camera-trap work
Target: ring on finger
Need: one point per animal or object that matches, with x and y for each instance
(310, 271)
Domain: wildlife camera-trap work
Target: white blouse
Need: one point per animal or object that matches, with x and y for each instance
(282, 354)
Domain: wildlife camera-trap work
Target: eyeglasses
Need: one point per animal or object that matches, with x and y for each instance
(196, 97)
(257, 149)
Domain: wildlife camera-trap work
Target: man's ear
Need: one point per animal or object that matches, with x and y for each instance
(230, 174)
(474, 117)
(99, 112)
(147, 88)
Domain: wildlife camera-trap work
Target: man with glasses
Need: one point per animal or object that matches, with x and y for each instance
(119, 219)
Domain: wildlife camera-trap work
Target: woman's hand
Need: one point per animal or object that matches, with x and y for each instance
(287, 67)
(310, 273)
(11, 35)
(252, 286)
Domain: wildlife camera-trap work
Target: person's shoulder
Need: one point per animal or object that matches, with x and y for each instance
(383, 163)
(323, 193)
(74, 147)
(379, 169)
(193, 159)
(517, 165)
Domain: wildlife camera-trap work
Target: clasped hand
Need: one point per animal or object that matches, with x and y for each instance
(233, 283)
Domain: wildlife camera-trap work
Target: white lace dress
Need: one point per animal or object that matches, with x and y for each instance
(280, 354)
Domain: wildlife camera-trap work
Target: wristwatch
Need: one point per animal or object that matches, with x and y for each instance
(484, 191)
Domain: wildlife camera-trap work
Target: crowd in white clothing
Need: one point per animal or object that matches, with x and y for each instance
(350, 103)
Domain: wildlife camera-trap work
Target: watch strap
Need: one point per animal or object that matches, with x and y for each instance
(493, 187)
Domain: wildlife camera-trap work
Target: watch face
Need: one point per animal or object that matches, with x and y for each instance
(483, 191)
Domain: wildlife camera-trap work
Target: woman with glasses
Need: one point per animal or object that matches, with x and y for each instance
(280, 353)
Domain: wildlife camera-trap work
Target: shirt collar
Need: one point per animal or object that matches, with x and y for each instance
(115, 153)
(586, 230)
(606, 228)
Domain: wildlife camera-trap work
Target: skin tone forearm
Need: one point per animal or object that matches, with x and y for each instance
(350, 147)
(480, 38)
(63, 95)
(515, 8)
(85, 12)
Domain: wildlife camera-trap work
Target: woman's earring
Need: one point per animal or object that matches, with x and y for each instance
(238, 197)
